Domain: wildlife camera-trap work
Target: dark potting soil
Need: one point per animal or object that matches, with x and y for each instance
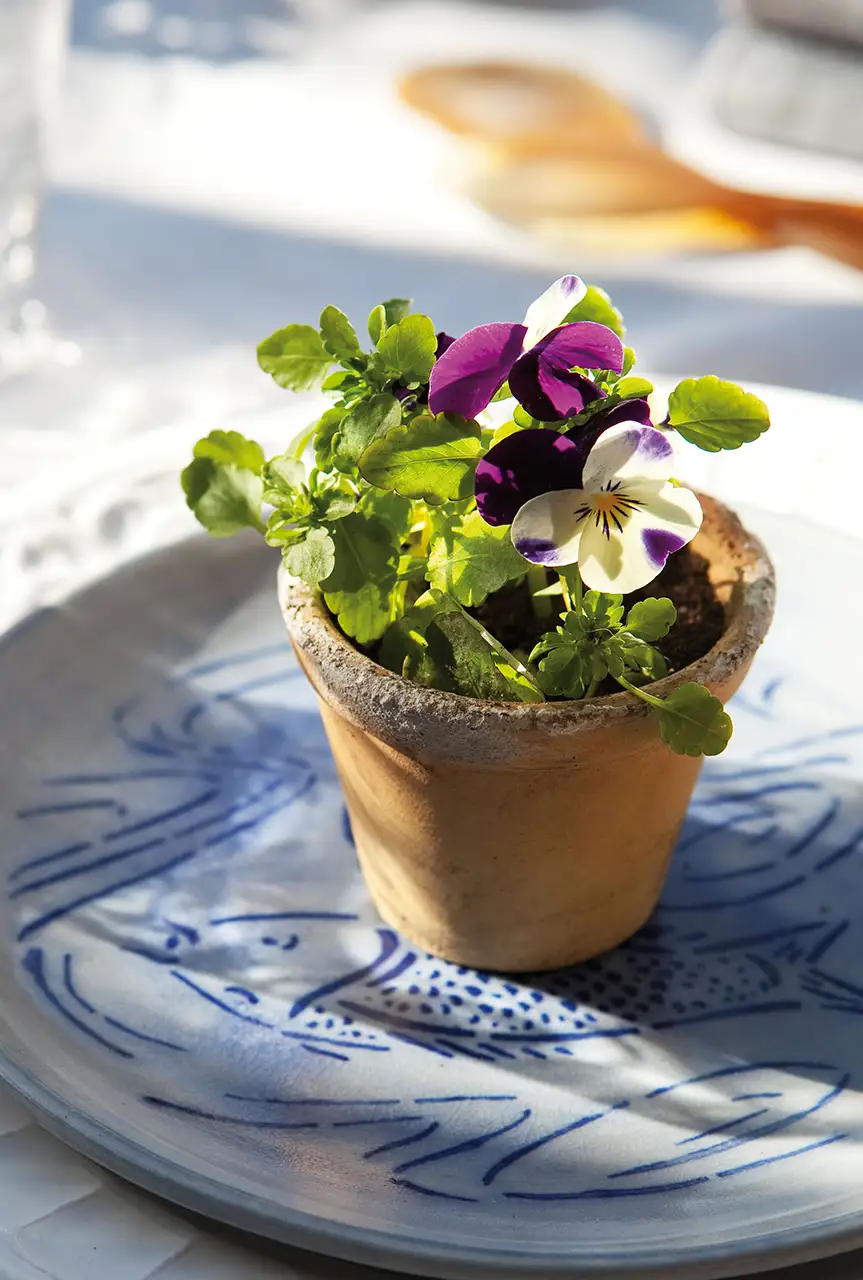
(510, 618)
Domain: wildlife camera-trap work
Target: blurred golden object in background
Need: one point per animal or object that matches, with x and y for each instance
(561, 156)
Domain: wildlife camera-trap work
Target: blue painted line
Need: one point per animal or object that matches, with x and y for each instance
(238, 659)
(72, 806)
(389, 943)
(470, 1097)
(165, 815)
(818, 829)
(396, 971)
(463, 1049)
(727, 1124)
(315, 1102)
(461, 1148)
(34, 964)
(756, 939)
(72, 873)
(837, 982)
(69, 984)
(716, 904)
(405, 1024)
(839, 854)
(140, 1035)
(135, 775)
(607, 1193)
(562, 1037)
(428, 1191)
(252, 823)
(754, 1097)
(744, 1069)
(420, 1044)
(719, 877)
(403, 1142)
(46, 859)
(821, 948)
(266, 916)
(219, 1004)
(262, 682)
(248, 802)
(519, 1154)
(832, 735)
(216, 1118)
(326, 1053)
(763, 1131)
(60, 913)
(757, 1164)
(342, 1044)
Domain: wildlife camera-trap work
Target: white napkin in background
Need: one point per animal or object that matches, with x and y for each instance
(840, 20)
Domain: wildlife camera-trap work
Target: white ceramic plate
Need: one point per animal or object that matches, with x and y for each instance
(195, 990)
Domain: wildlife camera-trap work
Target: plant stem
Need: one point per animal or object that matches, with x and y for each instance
(567, 598)
(537, 580)
(578, 589)
(592, 688)
(645, 697)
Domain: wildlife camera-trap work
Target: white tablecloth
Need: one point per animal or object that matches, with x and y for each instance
(194, 210)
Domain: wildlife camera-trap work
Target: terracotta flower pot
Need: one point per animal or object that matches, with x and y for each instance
(517, 836)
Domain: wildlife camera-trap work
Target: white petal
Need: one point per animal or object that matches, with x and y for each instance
(626, 452)
(621, 562)
(552, 308)
(547, 529)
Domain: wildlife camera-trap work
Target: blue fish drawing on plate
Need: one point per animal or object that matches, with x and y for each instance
(211, 852)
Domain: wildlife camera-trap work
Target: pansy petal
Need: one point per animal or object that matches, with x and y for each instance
(629, 451)
(582, 345)
(626, 411)
(552, 307)
(474, 368)
(550, 395)
(548, 529)
(621, 561)
(521, 467)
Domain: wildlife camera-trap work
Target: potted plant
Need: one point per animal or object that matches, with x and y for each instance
(520, 625)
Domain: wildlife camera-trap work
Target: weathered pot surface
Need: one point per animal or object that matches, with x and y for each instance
(517, 836)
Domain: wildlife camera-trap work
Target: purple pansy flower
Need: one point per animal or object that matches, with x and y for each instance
(537, 357)
(623, 518)
(536, 461)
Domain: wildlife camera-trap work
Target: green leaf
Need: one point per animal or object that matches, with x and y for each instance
(597, 306)
(504, 430)
(283, 478)
(229, 447)
(313, 559)
(471, 560)
(633, 388)
(565, 671)
(693, 723)
(338, 335)
(408, 348)
(651, 619)
(645, 659)
(397, 309)
(628, 361)
(403, 643)
(334, 498)
(366, 421)
(225, 498)
(377, 324)
(602, 610)
(395, 511)
(432, 459)
(715, 415)
(359, 589)
(522, 418)
(326, 431)
(295, 357)
(503, 394)
(301, 441)
(339, 380)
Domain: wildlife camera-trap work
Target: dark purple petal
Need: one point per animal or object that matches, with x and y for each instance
(444, 342)
(521, 467)
(584, 437)
(659, 544)
(474, 368)
(626, 411)
(582, 345)
(538, 550)
(550, 395)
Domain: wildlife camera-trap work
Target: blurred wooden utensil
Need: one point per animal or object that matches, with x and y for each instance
(557, 148)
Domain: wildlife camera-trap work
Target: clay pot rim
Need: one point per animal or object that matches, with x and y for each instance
(368, 693)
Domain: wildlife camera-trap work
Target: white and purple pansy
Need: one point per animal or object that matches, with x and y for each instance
(623, 518)
(537, 358)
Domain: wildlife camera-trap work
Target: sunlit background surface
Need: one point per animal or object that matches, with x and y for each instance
(218, 168)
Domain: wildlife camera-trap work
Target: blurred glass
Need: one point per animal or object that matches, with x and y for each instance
(32, 39)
